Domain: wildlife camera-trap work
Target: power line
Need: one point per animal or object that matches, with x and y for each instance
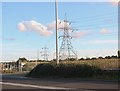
(96, 16)
(98, 20)
(84, 27)
(97, 25)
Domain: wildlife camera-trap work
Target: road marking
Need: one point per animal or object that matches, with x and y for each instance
(33, 86)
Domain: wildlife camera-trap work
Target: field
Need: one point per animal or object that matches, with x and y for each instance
(101, 63)
(112, 63)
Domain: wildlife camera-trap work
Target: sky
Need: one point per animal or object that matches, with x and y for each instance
(29, 26)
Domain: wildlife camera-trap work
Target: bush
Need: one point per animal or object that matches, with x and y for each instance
(72, 70)
(65, 70)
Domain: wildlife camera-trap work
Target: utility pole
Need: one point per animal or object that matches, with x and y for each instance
(56, 14)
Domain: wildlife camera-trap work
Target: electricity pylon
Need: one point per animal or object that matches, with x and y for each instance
(45, 53)
(66, 49)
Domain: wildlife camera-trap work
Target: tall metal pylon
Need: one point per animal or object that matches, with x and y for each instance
(37, 57)
(66, 49)
(45, 53)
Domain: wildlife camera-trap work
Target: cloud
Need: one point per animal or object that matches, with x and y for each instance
(48, 29)
(8, 45)
(34, 26)
(102, 42)
(104, 31)
(21, 27)
(61, 24)
(79, 34)
(9, 39)
(40, 28)
(114, 2)
(51, 26)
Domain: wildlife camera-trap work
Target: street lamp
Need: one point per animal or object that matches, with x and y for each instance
(56, 15)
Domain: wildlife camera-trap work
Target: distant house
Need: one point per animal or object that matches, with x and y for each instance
(20, 63)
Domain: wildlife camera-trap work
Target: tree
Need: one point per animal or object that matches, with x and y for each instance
(23, 59)
(72, 59)
(93, 58)
(81, 59)
(87, 58)
(18, 63)
(107, 57)
(113, 56)
(100, 57)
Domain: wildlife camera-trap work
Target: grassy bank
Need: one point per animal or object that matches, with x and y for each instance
(72, 70)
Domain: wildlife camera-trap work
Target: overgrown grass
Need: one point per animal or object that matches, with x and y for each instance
(112, 63)
(73, 70)
(100, 63)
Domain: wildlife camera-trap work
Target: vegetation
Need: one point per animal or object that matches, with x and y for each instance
(89, 68)
(100, 63)
(98, 68)
(72, 70)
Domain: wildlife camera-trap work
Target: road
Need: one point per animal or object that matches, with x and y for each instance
(15, 83)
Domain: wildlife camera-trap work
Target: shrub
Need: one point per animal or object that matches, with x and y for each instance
(65, 70)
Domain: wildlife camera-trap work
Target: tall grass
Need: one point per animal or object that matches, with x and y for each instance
(112, 63)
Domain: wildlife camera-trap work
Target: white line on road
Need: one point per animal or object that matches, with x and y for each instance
(32, 86)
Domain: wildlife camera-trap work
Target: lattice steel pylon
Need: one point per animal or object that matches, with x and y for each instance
(45, 53)
(66, 49)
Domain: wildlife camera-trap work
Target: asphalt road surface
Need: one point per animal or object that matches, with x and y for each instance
(21, 83)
